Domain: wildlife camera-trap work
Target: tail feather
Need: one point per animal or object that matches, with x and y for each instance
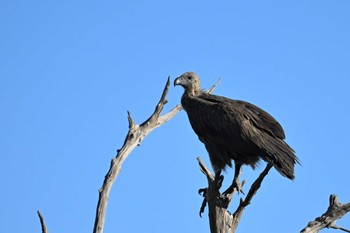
(281, 155)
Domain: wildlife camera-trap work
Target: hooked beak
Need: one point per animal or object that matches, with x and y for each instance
(178, 81)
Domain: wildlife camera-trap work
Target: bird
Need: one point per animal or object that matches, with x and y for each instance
(234, 130)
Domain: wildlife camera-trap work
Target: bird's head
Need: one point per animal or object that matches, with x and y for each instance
(190, 82)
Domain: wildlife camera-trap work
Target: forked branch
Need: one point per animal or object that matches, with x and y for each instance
(335, 211)
(220, 219)
(134, 137)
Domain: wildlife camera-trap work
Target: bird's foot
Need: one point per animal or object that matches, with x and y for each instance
(236, 185)
(203, 192)
(218, 181)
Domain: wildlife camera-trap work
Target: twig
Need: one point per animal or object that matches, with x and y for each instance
(340, 228)
(335, 211)
(134, 138)
(42, 222)
(214, 86)
(205, 170)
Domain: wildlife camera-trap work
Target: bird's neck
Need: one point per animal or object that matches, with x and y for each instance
(192, 92)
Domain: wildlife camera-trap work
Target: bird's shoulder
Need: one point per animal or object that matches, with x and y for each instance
(257, 116)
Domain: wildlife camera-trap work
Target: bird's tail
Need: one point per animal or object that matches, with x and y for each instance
(281, 155)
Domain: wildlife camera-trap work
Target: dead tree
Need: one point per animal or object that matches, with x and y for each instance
(220, 219)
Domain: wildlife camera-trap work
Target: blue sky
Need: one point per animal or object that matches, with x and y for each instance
(70, 70)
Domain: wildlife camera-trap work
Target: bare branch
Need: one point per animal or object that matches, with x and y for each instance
(339, 228)
(219, 218)
(159, 107)
(131, 121)
(253, 190)
(335, 211)
(205, 170)
(214, 86)
(133, 138)
(42, 222)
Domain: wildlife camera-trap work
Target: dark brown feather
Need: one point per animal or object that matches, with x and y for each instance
(236, 130)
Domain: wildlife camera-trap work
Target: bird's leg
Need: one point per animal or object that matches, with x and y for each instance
(235, 183)
(203, 191)
(218, 179)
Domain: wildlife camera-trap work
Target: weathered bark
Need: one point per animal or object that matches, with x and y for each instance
(134, 138)
(42, 222)
(220, 219)
(335, 211)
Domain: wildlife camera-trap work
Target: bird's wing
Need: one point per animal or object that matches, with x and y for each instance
(258, 117)
(210, 119)
(236, 126)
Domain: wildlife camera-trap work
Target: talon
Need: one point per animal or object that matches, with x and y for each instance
(202, 191)
(201, 211)
(218, 181)
(236, 185)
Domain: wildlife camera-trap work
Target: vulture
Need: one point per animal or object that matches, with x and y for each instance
(235, 130)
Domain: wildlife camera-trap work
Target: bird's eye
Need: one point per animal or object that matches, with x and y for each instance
(190, 77)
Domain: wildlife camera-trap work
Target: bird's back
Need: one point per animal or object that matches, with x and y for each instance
(239, 130)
